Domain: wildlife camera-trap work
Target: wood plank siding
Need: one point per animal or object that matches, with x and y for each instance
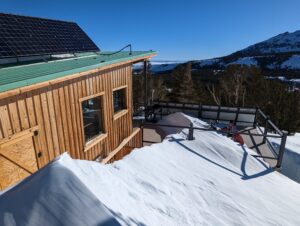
(55, 110)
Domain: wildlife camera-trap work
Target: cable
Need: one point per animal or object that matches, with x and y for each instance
(109, 54)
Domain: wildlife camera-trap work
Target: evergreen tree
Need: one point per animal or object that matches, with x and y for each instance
(256, 86)
(182, 84)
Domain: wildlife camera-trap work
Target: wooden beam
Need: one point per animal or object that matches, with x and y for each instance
(91, 96)
(18, 136)
(120, 114)
(120, 87)
(123, 143)
(95, 141)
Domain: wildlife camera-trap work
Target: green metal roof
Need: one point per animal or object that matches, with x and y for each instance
(23, 75)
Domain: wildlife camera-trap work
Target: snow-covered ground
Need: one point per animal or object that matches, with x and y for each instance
(292, 63)
(208, 62)
(295, 80)
(283, 79)
(208, 181)
(54, 196)
(250, 61)
(291, 158)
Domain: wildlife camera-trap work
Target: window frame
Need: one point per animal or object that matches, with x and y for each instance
(124, 111)
(90, 143)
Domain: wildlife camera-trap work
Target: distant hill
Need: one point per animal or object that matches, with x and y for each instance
(282, 43)
(277, 56)
(160, 67)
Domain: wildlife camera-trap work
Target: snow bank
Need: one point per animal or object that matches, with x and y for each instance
(208, 181)
(53, 196)
(291, 158)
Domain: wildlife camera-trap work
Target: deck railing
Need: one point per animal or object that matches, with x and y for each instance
(253, 117)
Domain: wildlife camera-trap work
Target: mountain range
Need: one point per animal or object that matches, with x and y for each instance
(277, 56)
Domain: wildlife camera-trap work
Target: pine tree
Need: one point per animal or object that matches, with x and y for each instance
(256, 86)
(182, 84)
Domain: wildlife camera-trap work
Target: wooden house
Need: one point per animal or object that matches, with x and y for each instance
(76, 99)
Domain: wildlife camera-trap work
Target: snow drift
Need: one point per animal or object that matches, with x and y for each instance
(208, 181)
(291, 158)
(53, 196)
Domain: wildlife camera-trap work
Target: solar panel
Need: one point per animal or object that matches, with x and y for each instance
(28, 36)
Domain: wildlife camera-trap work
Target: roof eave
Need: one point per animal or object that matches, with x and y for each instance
(52, 81)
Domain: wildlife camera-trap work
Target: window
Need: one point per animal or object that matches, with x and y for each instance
(92, 117)
(119, 99)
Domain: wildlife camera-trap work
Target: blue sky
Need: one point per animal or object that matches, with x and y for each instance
(178, 30)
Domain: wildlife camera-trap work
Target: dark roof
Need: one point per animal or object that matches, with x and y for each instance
(22, 36)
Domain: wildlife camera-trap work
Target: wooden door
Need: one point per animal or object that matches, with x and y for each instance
(17, 158)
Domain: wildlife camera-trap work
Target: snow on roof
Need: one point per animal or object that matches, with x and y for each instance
(208, 181)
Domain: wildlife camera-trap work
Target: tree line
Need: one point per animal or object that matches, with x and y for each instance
(236, 86)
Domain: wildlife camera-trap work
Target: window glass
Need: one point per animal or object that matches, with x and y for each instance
(92, 118)
(119, 100)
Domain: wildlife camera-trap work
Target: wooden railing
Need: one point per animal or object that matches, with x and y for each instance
(134, 140)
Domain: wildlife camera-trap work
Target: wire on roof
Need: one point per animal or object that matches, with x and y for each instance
(109, 54)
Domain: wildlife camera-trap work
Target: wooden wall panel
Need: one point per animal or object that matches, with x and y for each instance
(56, 111)
(17, 161)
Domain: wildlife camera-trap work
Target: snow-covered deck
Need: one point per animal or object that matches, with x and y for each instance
(157, 134)
(207, 181)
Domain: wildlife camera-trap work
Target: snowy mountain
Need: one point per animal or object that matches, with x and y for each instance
(282, 43)
(158, 67)
(164, 66)
(279, 54)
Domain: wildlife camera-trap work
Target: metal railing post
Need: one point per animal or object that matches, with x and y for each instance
(146, 83)
(237, 115)
(191, 132)
(218, 112)
(266, 130)
(281, 149)
(200, 111)
(255, 118)
(142, 133)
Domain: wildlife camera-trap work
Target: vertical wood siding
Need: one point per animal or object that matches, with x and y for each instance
(56, 111)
